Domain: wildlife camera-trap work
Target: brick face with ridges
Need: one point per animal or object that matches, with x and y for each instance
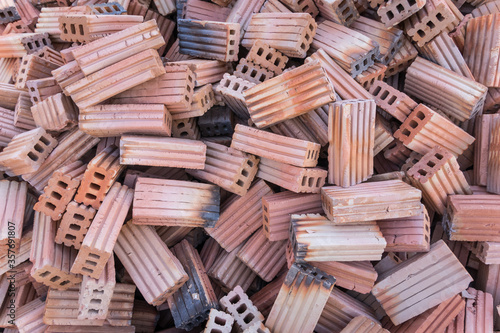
(276, 147)
(361, 324)
(359, 276)
(157, 151)
(74, 224)
(394, 102)
(206, 71)
(175, 203)
(203, 100)
(101, 237)
(12, 209)
(351, 136)
(487, 252)
(479, 311)
(296, 31)
(493, 177)
(315, 238)
(7, 128)
(231, 89)
(48, 21)
(41, 89)
(433, 276)
(371, 201)
(402, 59)
(19, 45)
(23, 118)
(482, 134)
(289, 95)
(338, 11)
(33, 67)
(152, 266)
(242, 13)
(67, 75)
(56, 113)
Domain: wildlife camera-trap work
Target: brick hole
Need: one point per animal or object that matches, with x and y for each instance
(231, 52)
(91, 263)
(248, 318)
(44, 274)
(231, 42)
(391, 100)
(98, 9)
(50, 205)
(405, 132)
(70, 237)
(253, 73)
(345, 11)
(93, 311)
(431, 25)
(39, 148)
(413, 124)
(35, 99)
(95, 301)
(32, 156)
(310, 182)
(426, 228)
(260, 51)
(426, 238)
(439, 156)
(94, 186)
(303, 46)
(236, 86)
(244, 173)
(55, 195)
(188, 88)
(115, 7)
(2, 15)
(307, 37)
(90, 196)
(240, 183)
(64, 283)
(37, 43)
(422, 172)
(267, 220)
(277, 61)
(305, 9)
(44, 42)
(440, 17)
(242, 308)
(55, 278)
(94, 256)
(431, 164)
(72, 28)
(232, 32)
(376, 91)
(356, 67)
(99, 176)
(220, 321)
(318, 181)
(365, 62)
(80, 27)
(227, 83)
(184, 134)
(269, 56)
(244, 69)
(304, 181)
(390, 15)
(235, 299)
(75, 227)
(412, 2)
(420, 115)
(384, 95)
(421, 33)
(62, 185)
(400, 8)
(78, 217)
(97, 291)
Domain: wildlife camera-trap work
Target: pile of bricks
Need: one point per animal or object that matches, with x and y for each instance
(285, 166)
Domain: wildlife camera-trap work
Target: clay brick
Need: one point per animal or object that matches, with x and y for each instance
(371, 201)
(74, 224)
(257, 328)
(445, 90)
(106, 142)
(274, 6)
(251, 72)
(351, 134)
(101, 237)
(293, 42)
(172, 235)
(27, 151)
(242, 13)
(8, 11)
(153, 268)
(265, 297)
(175, 203)
(492, 101)
(438, 175)
(479, 311)
(22, 254)
(341, 12)
(487, 252)
(174, 55)
(206, 71)
(144, 317)
(229, 271)
(345, 86)
(67, 75)
(41, 89)
(209, 252)
(8, 69)
(202, 11)
(432, 320)
(397, 153)
(203, 99)
(267, 57)
(294, 83)
(468, 218)
(353, 57)
(419, 132)
(29, 317)
(295, 179)
(219, 321)
(483, 127)
(118, 46)
(307, 7)
(298, 306)
(9, 95)
(87, 28)
(492, 178)
(95, 294)
(51, 261)
(51, 55)
(60, 190)
(339, 310)
(56, 113)
(363, 324)
(369, 76)
(174, 89)
(32, 68)
(61, 309)
(219, 120)
(315, 238)
(239, 217)
(402, 59)
(111, 120)
(422, 282)
(158, 151)
(154, 172)
(232, 90)
(359, 276)
(484, 9)
(241, 308)
(19, 45)
(190, 305)
(112, 8)
(394, 102)
(236, 172)
(165, 7)
(12, 210)
(102, 171)
(186, 129)
(264, 257)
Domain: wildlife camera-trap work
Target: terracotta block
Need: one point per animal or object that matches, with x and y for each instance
(154, 172)
(158, 151)
(203, 100)
(483, 9)
(95, 294)
(7, 129)
(175, 203)
(486, 252)
(67, 54)
(8, 68)
(492, 101)
(444, 89)
(267, 57)
(311, 298)
(57, 113)
(51, 261)
(67, 75)
(241, 308)
(295, 179)
(386, 200)
(41, 89)
(315, 238)
(32, 68)
(362, 324)
(9, 95)
(478, 211)
(118, 46)
(144, 317)
(345, 86)
(74, 224)
(351, 133)
(355, 57)
(209, 252)
(359, 276)
(22, 255)
(228, 168)
(432, 320)
(165, 25)
(231, 88)
(397, 153)
(219, 321)
(174, 55)
(438, 175)
(62, 308)
(29, 317)
(479, 311)
(16, 27)
(410, 234)
(8, 12)
(341, 12)
(202, 11)
(292, 42)
(186, 129)
(264, 298)
(60, 190)
(290, 6)
(51, 55)
(403, 295)
(402, 59)
(87, 28)
(97, 246)
(102, 171)
(19, 45)
(394, 12)
(394, 102)
(219, 120)
(257, 328)
(229, 271)
(251, 72)
(174, 89)
(418, 132)
(12, 210)
(206, 71)
(111, 120)
(242, 13)
(483, 127)
(292, 83)
(28, 13)
(369, 76)
(153, 268)
(113, 8)
(172, 235)
(493, 179)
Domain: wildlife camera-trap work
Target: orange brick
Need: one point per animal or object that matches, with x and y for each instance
(74, 224)
(57, 113)
(359, 276)
(394, 102)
